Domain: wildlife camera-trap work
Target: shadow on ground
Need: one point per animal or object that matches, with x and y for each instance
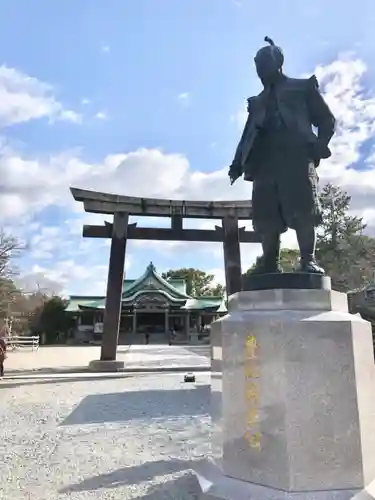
(134, 405)
(184, 488)
(138, 474)
(162, 349)
(17, 382)
(48, 371)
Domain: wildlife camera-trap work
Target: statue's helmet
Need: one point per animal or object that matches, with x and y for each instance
(269, 59)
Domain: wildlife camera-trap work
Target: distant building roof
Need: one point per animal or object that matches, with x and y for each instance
(203, 303)
(75, 301)
(173, 290)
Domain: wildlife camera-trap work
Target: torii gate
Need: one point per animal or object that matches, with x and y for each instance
(122, 207)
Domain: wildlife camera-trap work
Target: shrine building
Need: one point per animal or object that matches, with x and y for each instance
(153, 308)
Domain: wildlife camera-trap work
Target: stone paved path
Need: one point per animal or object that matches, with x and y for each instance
(135, 357)
(135, 437)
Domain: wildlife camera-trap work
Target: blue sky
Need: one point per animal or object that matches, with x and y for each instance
(147, 98)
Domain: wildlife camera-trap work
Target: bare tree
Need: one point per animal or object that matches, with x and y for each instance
(10, 248)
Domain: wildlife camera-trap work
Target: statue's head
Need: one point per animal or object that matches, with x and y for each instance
(269, 61)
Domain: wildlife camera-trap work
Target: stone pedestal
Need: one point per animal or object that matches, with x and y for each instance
(293, 399)
(99, 365)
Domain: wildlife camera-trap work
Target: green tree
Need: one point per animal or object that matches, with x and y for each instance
(52, 319)
(289, 260)
(346, 254)
(251, 268)
(198, 283)
(217, 290)
(337, 225)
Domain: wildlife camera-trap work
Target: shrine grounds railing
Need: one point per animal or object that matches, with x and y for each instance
(20, 341)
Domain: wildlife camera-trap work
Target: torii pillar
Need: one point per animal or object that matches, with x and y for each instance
(112, 314)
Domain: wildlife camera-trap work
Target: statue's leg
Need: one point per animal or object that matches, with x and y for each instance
(269, 261)
(306, 237)
(271, 252)
(269, 223)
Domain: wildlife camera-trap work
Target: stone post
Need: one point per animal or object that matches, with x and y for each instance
(292, 388)
(113, 297)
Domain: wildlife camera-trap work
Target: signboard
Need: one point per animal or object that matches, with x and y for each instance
(98, 328)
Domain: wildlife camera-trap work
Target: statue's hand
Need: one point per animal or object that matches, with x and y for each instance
(235, 171)
(319, 151)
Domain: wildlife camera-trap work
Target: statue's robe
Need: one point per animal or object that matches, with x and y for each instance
(277, 153)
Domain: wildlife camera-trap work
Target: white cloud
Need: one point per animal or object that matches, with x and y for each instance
(38, 281)
(24, 98)
(28, 185)
(69, 278)
(184, 98)
(240, 118)
(105, 48)
(101, 115)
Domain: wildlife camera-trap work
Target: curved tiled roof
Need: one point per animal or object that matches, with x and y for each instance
(152, 280)
(174, 290)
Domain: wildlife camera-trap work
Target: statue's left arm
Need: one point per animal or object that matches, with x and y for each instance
(320, 114)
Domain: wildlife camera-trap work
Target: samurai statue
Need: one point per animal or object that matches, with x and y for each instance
(280, 152)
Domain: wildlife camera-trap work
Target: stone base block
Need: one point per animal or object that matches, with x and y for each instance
(214, 485)
(287, 281)
(292, 392)
(98, 365)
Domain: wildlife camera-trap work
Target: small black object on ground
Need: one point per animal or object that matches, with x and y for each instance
(189, 377)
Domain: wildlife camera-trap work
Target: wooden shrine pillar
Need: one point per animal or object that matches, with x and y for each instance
(187, 324)
(166, 321)
(112, 312)
(232, 255)
(134, 325)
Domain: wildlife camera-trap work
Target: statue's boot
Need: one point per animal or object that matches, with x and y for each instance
(310, 266)
(306, 236)
(270, 260)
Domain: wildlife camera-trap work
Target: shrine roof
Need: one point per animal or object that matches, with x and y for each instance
(152, 281)
(206, 302)
(173, 289)
(75, 301)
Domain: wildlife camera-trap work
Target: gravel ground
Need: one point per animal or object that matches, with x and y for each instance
(135, 437)
(57, 358)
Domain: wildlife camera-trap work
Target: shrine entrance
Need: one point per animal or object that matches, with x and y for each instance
(150, 314)
(151, 322)
(120, 231)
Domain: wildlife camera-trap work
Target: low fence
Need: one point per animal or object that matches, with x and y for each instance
(19, 341)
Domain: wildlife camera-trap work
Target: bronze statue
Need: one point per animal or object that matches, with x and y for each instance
(280, 152)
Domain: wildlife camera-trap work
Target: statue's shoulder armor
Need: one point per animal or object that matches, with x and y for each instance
(302, 83)
(255, 100)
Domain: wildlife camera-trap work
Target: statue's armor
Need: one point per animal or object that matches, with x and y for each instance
(279, 153)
